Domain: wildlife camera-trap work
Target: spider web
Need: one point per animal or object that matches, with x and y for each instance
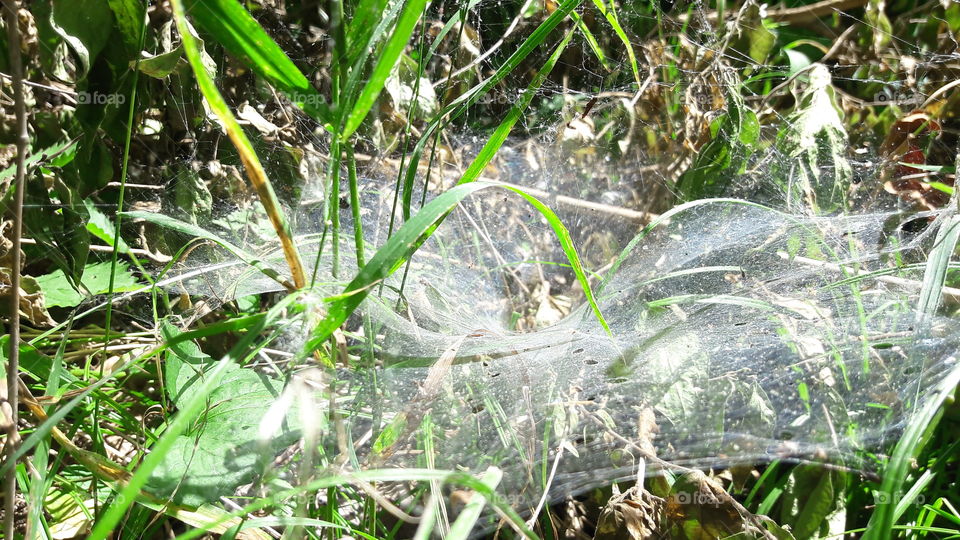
(740, 332)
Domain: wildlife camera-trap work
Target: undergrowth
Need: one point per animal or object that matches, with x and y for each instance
(481, 269)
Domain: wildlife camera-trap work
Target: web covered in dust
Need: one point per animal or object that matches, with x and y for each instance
(740, 332)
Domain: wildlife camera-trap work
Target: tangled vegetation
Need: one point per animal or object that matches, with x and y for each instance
(395, 269)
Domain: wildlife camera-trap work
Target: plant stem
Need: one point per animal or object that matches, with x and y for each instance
(355, 204)
(13, 361)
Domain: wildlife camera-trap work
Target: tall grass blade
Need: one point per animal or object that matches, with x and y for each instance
(458, 106)
(411, 236)
(233, 27)
(935, 274)
(913, 440)
(388, 58)
(610, 14)
(471, 513)
(251, 163)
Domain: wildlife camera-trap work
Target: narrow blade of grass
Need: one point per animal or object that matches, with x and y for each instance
(388, 58)
(412, 235)
(913, 440)
(233, 27)
(199, 232)
(251, 163)
(458, 106)
(471, 513)
(935, 274)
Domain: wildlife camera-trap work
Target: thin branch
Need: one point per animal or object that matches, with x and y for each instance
(13, 363)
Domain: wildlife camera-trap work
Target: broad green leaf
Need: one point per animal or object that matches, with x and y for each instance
(734, 136)
(812, 494)
(814, 169)
(58, 291)
(130, 16)
(387, 58)
(753, 40)
(234, 28)
(187, 416)
(222, 451)
(161, 65)
(103, 227)
(84, 25)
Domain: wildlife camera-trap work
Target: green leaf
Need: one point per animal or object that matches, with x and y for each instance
(753, 40)
(734, 136)
(814, 171)
(84, 25)
(130, 16)
(234, 28)
(58, 291)
(161, 65)
(102, 227)
(812, 494)
(222, 452)
(387, 58)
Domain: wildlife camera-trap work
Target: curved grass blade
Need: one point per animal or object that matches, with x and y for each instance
(935, 274)
(611, 15)
(199, 232)
(913, 440)
(412, 235)
(251, 163)
(233, 27)
(459, 106)
(387, 59)
(496, 140)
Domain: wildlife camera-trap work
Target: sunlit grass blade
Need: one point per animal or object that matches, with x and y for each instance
(458, 106)
(387, 58)
(465, 522)
(251, 163)
(499, 135)
(935, 274)
(412, 235)
(609, 12)
(913, 440)
(591, 40)
(233, 27)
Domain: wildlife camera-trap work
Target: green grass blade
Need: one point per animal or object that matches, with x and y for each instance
(611, 15)
(591, 40)
(388, 58)
(913, 440)
(462, 103)
(462, 527)
(496, 140)
(233, 27)
(935, 274)
(411, 236)
(199, 232)
(251, 163)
